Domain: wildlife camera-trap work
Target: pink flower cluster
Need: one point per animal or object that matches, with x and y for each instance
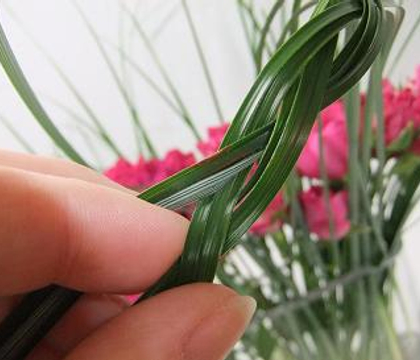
(328, 220)
(401, 113)
(144, 174)
(215, 137)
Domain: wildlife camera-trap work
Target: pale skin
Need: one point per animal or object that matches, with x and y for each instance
(65, 224)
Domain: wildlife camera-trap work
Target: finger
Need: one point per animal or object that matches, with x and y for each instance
(82, 319)
(56, 167)
(81, 235)
(201, 321)
(44, 352)
(89, 313)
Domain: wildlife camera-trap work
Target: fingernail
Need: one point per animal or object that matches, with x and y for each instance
(216, 334)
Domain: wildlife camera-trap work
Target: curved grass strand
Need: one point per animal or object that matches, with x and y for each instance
(23, 88)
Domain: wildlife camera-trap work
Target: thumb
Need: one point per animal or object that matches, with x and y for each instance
(201, 321)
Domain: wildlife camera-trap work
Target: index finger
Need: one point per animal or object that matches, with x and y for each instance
(81, 235)
(57, 167)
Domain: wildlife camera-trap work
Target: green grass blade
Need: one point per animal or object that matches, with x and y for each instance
(404, 45)
(276, 8)
(16, 134)
(287, 29)
(21, 85)
(170, 15)
(247, 32)
(128, 59)
(407, 185)
(71, 87)
(138, 125)
(82, 123)
(172, 88)
(203, 61)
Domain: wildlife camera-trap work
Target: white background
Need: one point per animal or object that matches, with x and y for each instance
(59, 29)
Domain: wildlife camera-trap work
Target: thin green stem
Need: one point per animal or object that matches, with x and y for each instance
(255, 31)
(103, 137)
(353, 110)
(123, 91)
(380, 150)
(203, 61)
(266, 29)
(367, 125)
(88, 110)
(72, 88)
(163, 24)
(308, 248)
(287, 28)
(149, 81)
(172, 88)
(389, 328)
(295, 15)
(26, 93)
(327, 196)
(352, 101)
(245, 28)
(16, 134)
(400, 52)
(367, 209)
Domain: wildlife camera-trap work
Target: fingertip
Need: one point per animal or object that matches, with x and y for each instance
(200, 321)
(219, 331)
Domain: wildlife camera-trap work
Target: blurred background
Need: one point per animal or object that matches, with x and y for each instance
(57, 28)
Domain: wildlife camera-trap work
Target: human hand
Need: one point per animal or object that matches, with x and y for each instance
(64, 224)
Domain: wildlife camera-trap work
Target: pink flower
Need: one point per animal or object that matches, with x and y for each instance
(149, 172)
(269, 221)
(401, 109)
(124, 173)
(216, 135)
(176, 161)
(335, 146)
(316, 212)
(334, 113)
